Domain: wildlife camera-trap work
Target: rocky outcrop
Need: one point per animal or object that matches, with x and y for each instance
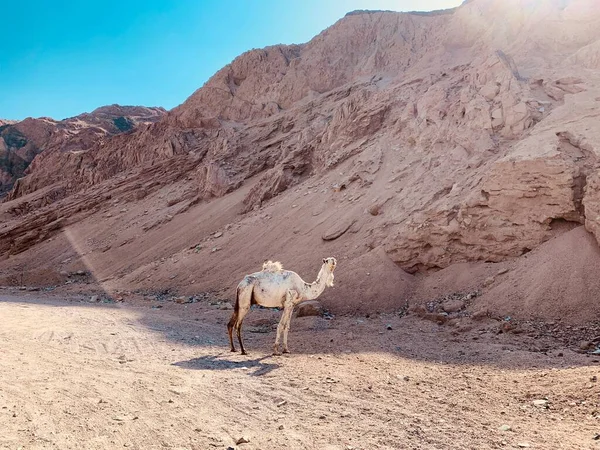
(43, 215)
(21, 142)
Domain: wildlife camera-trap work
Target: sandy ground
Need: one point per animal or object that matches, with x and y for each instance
(78, 375)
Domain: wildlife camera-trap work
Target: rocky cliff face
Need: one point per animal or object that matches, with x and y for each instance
(439, 138)
(21, 142)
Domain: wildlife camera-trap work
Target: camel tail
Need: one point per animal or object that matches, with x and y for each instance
(236, 307)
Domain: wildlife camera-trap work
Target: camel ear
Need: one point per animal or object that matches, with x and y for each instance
(324, 260)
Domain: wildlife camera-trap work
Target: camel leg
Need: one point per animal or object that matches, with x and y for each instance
(238, 326)
(288, 307)
(279, 331)
(230, 326)
(287, 312)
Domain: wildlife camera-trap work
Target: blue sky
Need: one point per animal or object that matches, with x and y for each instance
(61, 58)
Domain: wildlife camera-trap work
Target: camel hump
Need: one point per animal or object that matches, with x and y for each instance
(272, 266)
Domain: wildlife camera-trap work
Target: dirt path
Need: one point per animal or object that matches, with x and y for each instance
(77, 376)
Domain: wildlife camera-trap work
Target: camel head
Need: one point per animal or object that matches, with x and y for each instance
(329, 266)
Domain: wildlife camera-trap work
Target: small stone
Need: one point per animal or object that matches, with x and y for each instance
(280, 427)
(489, 281)
(80, 272)
(93, 299)
(586, 345)
(502, 271)
(523, 445)
(374, 210)
(389, 327)
(540, 403)
(406, 378)
(505, 428)
(215, 249)
(453, 306)
(242, 440)
(218, 234)
(226, 306)
(281, 403)
(309, 308)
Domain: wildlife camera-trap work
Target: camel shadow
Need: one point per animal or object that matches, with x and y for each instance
(220, 362)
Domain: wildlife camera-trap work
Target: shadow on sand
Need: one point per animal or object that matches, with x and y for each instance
(220, 362)
(204, 328)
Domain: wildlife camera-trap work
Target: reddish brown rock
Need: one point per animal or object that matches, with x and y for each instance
(309, 308)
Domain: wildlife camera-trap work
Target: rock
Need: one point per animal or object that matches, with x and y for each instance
(489, 281)
(80, 272)
(309, 308)
(482, 314)
(505, 428)
(586, 345)
(523, 445)
(281, 403)
(490, 90)
(374, 210)
(93, 299)
(280, 427)
(338, 229)
(540, 403)
(218, 234)
(242, 440)
(215, 249)
(388, 327)
(502, 271)
(226, 306)
(453, 306)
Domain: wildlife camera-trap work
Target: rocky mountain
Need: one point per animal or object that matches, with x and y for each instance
(21, 142)
(403, 143)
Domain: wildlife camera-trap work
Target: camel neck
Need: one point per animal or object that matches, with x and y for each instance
(313, 290)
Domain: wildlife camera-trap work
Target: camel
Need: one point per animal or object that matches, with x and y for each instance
(274, 287)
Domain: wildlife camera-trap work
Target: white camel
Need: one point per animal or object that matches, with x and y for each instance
(274, 287)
